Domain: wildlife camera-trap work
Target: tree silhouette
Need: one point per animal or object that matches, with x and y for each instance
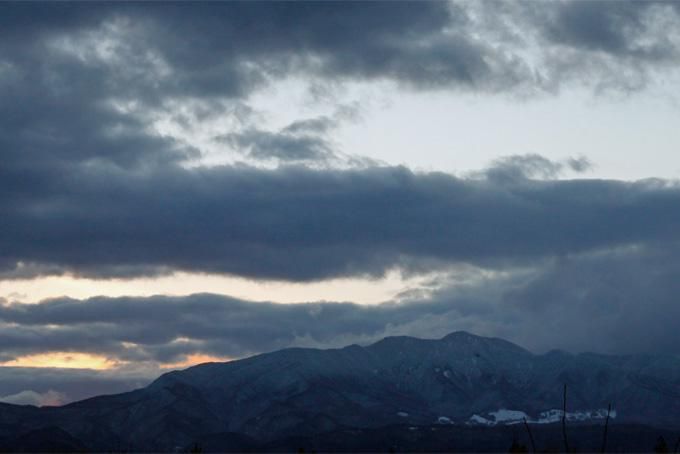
(661, 445)
(517, 447)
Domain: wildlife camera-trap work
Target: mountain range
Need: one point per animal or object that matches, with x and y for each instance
(461, 382)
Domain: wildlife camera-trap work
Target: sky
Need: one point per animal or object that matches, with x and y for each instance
(191, 182)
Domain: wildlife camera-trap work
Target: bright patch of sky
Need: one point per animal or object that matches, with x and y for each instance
(363, 291)
(64, 360)
(625, 136)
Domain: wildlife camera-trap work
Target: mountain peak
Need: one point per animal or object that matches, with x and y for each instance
(399, 342)
(462, 335)
(461, 378)
(465, 338)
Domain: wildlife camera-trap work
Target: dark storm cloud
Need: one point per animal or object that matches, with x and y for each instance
(227, 49)
(210, 49)
(615, 28)
(613, 45)
(407, 41)
(300, 224)
(57, 112)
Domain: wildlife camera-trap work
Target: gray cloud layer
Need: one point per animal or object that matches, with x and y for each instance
(301, 224)
(229, 48)
(620, 301)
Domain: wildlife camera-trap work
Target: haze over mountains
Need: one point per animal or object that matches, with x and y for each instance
(459, 380)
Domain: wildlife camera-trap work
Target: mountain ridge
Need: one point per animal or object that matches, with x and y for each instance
(460, 379)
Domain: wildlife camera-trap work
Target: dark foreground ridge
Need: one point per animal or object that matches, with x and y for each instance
(458, 393)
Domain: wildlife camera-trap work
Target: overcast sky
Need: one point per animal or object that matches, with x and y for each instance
(182, 182)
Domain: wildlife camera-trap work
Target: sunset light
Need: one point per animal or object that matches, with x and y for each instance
(64, 360)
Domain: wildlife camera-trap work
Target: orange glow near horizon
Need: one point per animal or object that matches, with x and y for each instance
(67, 360)
(194, 359)
(71, 360)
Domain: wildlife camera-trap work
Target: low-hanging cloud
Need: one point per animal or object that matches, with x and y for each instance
(54, 386)
(618, 301)
(29, 397)
(582, 302)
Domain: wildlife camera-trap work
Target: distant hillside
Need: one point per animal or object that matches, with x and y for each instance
(462, 381)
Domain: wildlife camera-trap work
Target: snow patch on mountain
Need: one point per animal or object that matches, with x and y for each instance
(504, 415)
(551, 416)
(508, 417)
(476, 419)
